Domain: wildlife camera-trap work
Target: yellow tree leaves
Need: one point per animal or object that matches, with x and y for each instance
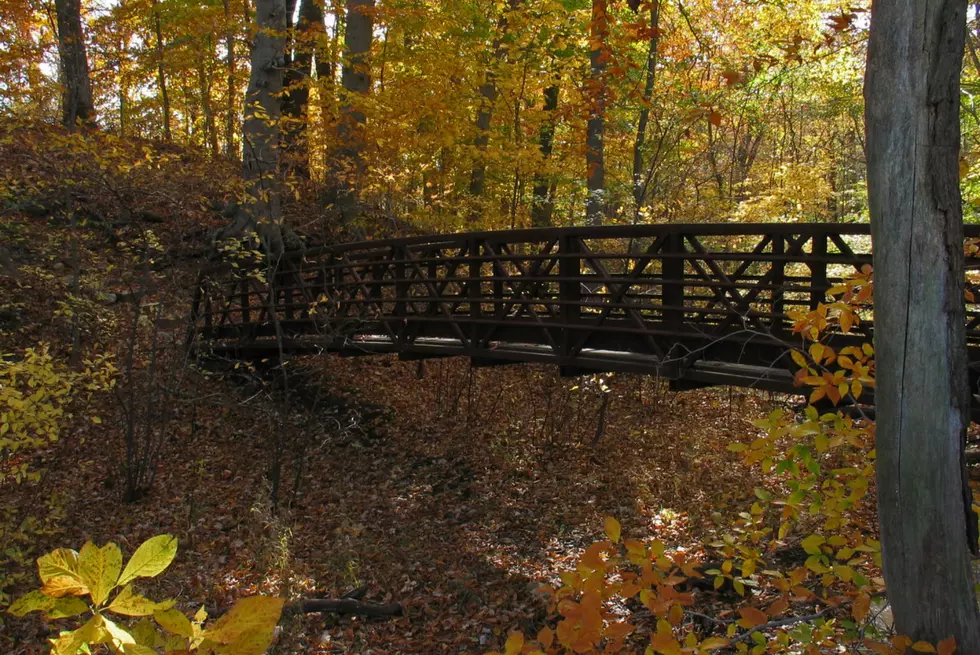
(69, 576)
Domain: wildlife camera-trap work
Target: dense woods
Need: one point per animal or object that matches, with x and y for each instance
(381, 505)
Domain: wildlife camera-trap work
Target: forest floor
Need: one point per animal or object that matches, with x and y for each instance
(455, 491)
(471, 488)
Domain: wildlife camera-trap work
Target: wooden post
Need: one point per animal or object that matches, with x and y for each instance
(818, 270)
(569, 289)
(672, 283)
(778, 278)
(474, 290)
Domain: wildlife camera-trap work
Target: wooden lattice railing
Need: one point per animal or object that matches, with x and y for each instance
(703, 303)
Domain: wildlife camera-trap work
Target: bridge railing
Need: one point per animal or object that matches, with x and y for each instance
(672, 294)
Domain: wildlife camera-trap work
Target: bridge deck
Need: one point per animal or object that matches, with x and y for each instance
(702, 304)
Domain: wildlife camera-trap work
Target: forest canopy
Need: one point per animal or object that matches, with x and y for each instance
(499, 114)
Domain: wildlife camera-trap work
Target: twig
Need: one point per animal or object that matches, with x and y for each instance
(781, 622)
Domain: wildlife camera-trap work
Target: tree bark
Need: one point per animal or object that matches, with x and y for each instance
(76, 99)
(915, 55)
(639, 188)
(230, 150)
(347, 164)
(298, 76)
(161, 71)
(260, 133)
(597, 95)
(543, 202)
(484, 116)
(204, 78)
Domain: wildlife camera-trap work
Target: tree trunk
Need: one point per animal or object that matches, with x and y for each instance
(161, 73)
(204, 82)
(347, 163)
(76, 100)
(298, 76)
(597, 95)
(543, 202)
(912, 119)
(230, 150)
(260, 133)
(488, 96)
(639, 188)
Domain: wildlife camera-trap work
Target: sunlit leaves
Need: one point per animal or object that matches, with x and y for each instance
(152, 558)
(247, 629)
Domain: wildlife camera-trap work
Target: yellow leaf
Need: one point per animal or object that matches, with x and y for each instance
(923, 647)
(816, 352)
(799, 358)
(129, 603)
(53, 608)
(151, 559)
(59, 562)
(64, 585)
(99, 569)
(613, 529)
(248, 626)
(515, 642)
(174, 621)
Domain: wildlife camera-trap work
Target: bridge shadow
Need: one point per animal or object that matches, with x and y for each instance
(487, 482)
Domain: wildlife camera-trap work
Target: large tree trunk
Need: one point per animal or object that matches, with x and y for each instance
(597, 96)
(347, 164)
(912, 119)
(543, 204)
(260, 133)
(76, 100)
(639, 187)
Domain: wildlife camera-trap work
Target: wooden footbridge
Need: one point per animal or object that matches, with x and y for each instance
(699, 304)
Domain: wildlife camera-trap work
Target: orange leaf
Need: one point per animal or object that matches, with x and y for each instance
(752, 617)
(859, 609)
(947, 646)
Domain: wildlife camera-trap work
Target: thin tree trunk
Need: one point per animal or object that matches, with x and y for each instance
(639, 188)
(161, 72)
(356, 81)
(298, 86)
(543, 202)
(598, 97)
(76, 99)
(230, 150)
(912, 99)
(204, 82)
(484, 116)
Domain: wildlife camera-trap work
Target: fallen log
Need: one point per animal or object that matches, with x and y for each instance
(349, 606)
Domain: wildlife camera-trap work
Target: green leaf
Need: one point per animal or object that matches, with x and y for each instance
(812, 544)
(151, 559)
(99, 569)
(129, 603)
